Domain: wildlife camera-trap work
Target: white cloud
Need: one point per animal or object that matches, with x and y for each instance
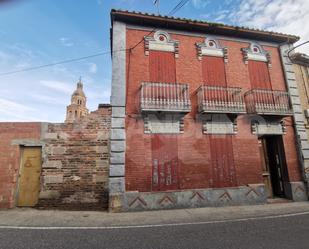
(198, 4)
(289, 16)
(15, 111)
(93, 68)
(58, 86)
(4, 56)
(66, 42)
(42, 98)
(221, 15)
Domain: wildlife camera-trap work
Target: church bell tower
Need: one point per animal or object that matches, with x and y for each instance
(77, 109)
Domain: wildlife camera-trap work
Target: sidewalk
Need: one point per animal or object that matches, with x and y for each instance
(54, 218)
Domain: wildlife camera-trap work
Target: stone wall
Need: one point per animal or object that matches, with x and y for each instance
(75, 163)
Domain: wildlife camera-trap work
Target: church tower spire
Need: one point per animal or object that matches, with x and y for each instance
(77, 109)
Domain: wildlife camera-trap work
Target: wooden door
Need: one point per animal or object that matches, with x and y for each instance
(274, 165)
(29, 177)
(265, 167)
(164, 162)
(222, 161)
(277, 165)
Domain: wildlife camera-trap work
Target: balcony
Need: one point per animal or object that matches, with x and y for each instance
(268, 102)
(218, 99)
(165, 97)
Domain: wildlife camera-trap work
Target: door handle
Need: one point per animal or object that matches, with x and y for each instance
(279, 172)
(277, 159)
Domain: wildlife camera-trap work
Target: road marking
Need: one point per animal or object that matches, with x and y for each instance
(155, 225)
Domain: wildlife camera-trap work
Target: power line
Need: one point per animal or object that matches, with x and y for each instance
(178, 7)
(172, 12)
(57, 63)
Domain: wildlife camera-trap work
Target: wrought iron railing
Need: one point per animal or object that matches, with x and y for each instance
(218, 99)
(170, 97)
(268, 102)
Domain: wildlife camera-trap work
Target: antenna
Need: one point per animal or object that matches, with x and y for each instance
(157, 3)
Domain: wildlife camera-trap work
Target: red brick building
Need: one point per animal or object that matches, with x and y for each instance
(202, 115)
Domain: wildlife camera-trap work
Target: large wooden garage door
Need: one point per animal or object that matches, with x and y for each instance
(164, 162)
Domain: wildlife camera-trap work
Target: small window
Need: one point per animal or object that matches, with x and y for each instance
(212, 44)
(256, 49)
(162, 38)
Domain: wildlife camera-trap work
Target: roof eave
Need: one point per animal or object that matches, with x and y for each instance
(192, 25)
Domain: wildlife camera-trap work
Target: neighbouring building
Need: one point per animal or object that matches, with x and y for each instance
(57, 165)
(78, 107)
(203, 114)
(301, 68)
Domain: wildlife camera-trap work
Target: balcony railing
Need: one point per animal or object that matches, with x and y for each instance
(218, 99)
(168, 97)
(268, 102)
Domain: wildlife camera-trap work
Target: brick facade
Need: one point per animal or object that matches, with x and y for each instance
(193, 145)
(196, 151)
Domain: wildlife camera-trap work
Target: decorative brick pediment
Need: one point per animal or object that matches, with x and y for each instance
(256, 52)
(161, 41)
(211, 47)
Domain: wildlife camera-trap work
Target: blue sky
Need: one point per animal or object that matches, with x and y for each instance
(36, 32)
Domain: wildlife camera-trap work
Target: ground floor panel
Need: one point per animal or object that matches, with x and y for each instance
(213, 197)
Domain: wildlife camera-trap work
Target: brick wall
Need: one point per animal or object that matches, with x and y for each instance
(193, 145)
(11, 135)
(75, 163)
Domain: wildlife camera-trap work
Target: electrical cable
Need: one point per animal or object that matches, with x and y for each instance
(58, 63)
(172, 12)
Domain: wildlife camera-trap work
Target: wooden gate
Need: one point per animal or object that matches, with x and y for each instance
(29, 177)
(164, 162)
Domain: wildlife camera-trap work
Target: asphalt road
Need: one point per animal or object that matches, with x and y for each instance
(283, 232)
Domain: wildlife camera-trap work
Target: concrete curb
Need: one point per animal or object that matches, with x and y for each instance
(22, 218)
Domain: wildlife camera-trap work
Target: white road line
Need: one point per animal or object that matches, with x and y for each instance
(154, 225)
